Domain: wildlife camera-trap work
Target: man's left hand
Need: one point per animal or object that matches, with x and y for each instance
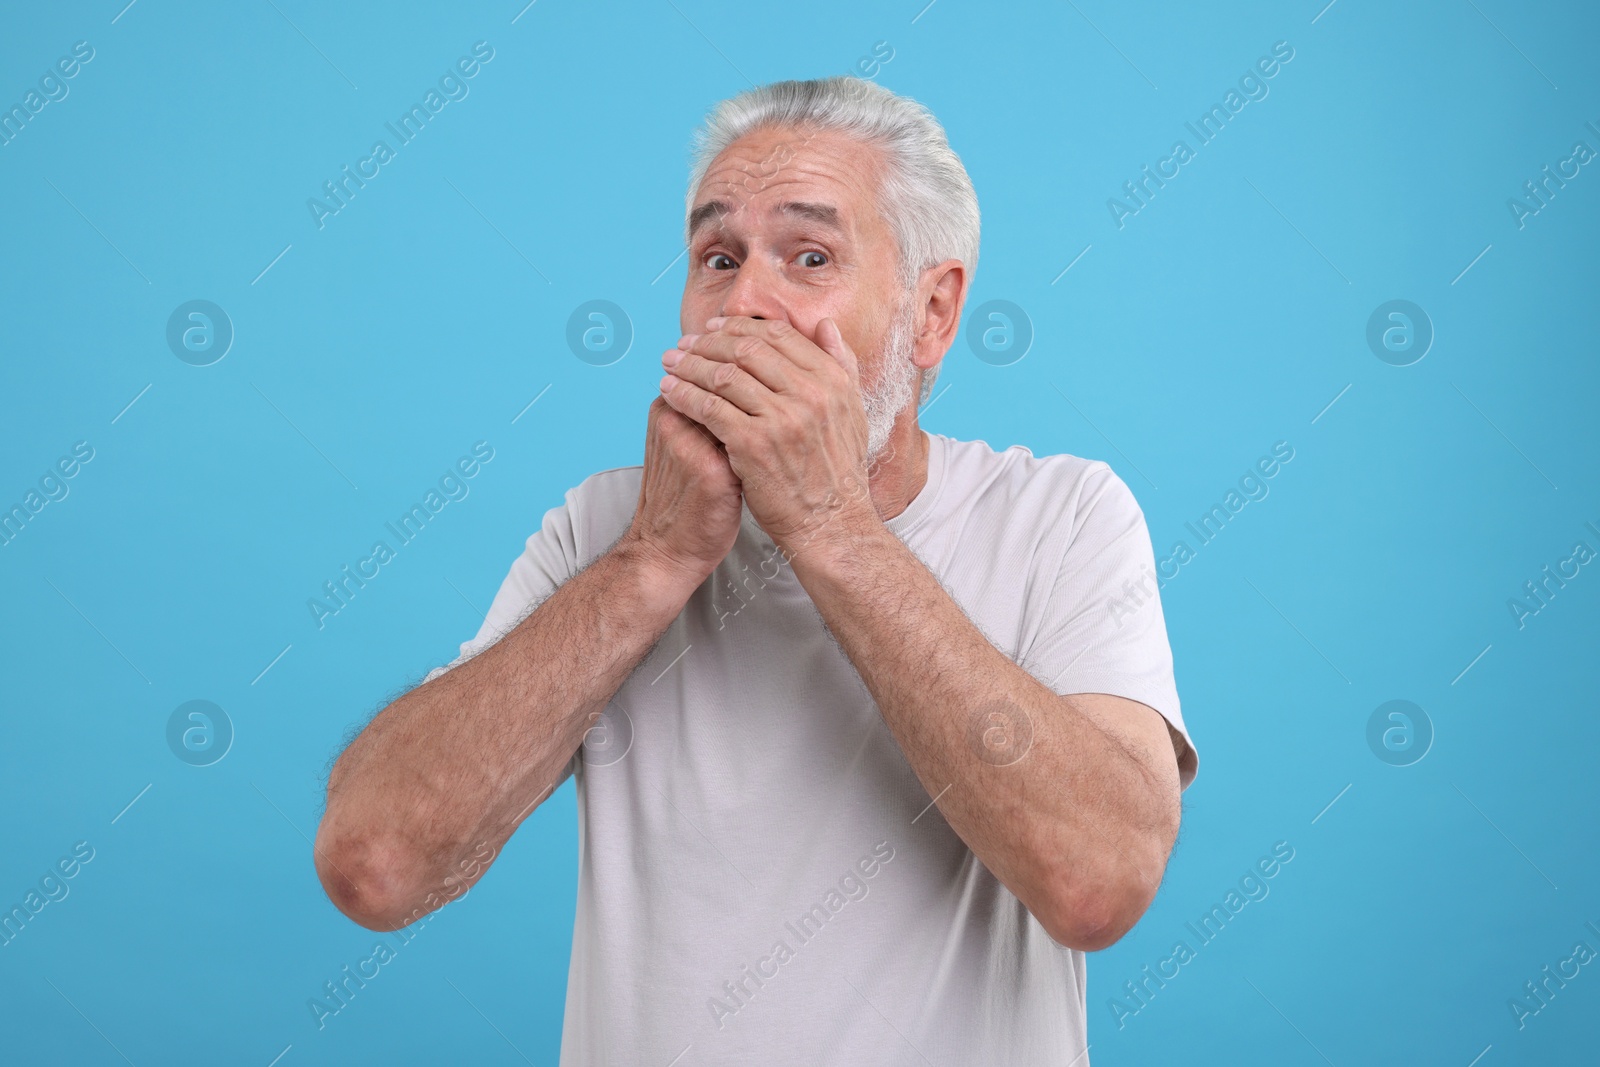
(787, 409)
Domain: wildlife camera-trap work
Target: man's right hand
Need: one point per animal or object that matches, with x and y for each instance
(690, 501)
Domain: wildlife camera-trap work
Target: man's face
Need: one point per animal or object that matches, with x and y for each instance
(786, 225)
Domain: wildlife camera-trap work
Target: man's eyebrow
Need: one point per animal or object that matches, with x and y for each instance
(709, 210)
(821, 214)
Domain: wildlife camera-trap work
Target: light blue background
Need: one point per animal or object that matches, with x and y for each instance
(1223, 317)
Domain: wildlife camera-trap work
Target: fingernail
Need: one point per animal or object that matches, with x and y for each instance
(671, 356)
(687, 341)
(667, 382)
(715, 323)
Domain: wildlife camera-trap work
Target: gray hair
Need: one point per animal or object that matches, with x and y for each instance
(926, 194)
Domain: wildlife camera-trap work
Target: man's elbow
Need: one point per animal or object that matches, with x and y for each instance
(1093, 921)
(1091, 915)
(367, 879)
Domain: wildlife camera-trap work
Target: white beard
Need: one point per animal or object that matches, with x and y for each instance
(895, 384)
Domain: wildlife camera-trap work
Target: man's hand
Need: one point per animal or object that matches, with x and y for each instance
(689, 501)
(787, 409)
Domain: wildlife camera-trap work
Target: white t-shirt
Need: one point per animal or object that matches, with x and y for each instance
(761, 878)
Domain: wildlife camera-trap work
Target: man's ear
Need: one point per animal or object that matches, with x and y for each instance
(943, 291)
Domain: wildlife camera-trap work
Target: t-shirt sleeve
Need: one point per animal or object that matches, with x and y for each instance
(549, 558)
(1102, 629)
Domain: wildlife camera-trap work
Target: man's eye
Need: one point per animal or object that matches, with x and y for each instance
(812, 259)
(713, 259)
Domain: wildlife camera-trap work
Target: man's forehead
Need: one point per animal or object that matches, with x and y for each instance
(820, 177)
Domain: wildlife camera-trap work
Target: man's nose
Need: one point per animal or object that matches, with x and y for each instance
(754, 293)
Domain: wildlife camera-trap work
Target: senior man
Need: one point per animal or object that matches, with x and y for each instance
(864, 765)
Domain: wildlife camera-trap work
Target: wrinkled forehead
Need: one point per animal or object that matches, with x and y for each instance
(822, 178)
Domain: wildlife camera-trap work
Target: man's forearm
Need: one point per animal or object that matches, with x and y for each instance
(457, 763)
(1065, 816)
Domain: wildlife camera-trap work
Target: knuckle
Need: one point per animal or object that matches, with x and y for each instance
(779, 328)
(724, 375)
(747, 348)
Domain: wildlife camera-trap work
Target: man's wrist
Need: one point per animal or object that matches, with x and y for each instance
(665, 583)
(836, 542)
